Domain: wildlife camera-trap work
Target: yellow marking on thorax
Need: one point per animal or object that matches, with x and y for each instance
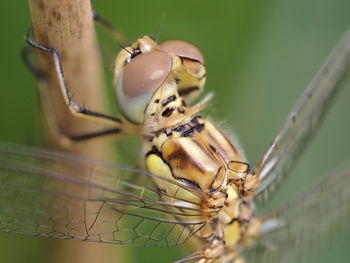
(232, 234)
(156, 165)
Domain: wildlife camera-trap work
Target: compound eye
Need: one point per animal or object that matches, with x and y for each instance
(137, 82)
(182, 49)
(145, 73)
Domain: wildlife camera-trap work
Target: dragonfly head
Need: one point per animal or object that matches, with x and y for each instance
(145, 71)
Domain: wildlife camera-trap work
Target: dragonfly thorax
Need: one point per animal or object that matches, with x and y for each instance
(199, 157)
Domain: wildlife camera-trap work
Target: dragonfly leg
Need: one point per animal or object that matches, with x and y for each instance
(116, 126)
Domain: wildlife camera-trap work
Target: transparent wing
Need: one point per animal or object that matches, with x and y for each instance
(294, 231)
(304, 119)
(59, 195)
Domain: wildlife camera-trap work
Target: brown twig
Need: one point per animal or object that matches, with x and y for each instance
(67, 26)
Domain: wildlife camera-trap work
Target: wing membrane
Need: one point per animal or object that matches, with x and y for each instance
(291, 232)
(304, 118)
(65, 196)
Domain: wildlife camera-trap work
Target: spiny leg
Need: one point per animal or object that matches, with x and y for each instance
(119, 126)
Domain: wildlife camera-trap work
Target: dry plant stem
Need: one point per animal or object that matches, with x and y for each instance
(67, 26)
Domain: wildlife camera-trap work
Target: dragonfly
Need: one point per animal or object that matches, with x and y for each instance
(176, 207)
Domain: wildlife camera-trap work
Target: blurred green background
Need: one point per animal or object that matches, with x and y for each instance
(260, 55)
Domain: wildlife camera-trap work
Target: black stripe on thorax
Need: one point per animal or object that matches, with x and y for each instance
(168, 111)
(154, 151)
(168, 100)
(189, 129)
